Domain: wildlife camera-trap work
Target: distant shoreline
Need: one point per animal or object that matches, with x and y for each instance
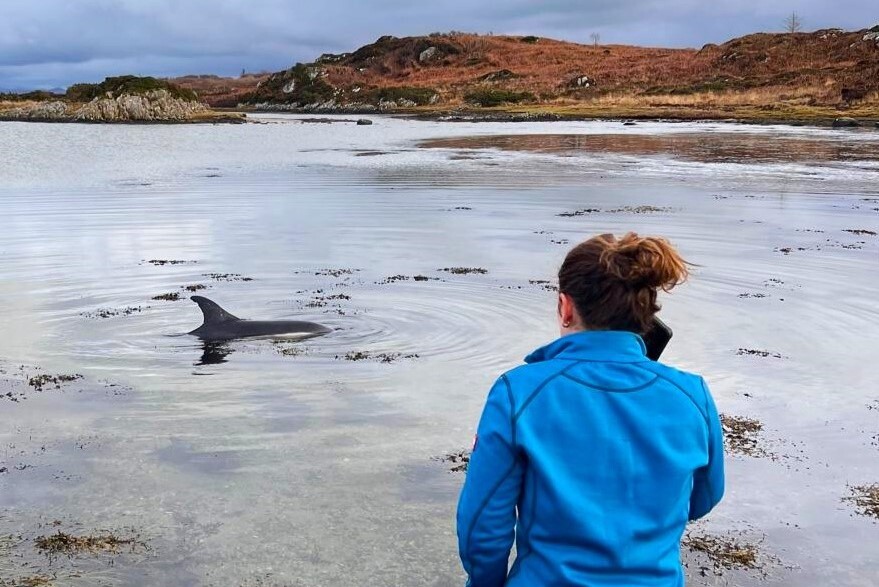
(584, 113)
(228, 119)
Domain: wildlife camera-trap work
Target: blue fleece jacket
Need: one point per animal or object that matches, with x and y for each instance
(593, 458)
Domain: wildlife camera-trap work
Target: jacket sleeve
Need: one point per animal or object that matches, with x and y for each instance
(487, 506)
(708, 481)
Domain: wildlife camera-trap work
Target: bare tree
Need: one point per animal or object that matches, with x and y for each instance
(595, 38)
(793, 23)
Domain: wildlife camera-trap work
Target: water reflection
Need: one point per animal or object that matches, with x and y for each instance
(214, 353)
(699, 147)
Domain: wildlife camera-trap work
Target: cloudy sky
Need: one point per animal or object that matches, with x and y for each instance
(52, 43)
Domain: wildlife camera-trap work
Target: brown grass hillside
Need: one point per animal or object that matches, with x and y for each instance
(826, 71)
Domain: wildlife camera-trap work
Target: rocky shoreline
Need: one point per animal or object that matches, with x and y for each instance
(155, 107)
(512, 116)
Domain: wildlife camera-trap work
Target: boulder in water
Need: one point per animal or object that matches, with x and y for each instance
(845, 122)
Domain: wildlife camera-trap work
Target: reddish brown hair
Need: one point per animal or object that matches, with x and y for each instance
(613, 282)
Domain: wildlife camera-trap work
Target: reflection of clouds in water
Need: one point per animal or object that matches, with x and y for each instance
(184, 455)
(702, 147)
(19, 323)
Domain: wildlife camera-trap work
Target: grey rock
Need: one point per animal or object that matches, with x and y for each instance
(845, 122)
(364, 122)
(428, 54)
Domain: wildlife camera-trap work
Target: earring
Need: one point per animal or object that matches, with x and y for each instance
(566, 324)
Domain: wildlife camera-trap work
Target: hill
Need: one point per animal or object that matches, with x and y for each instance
(762, 75)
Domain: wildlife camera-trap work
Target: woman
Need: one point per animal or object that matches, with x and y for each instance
(604, 454)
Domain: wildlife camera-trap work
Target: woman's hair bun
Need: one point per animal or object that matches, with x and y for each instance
(642, 262)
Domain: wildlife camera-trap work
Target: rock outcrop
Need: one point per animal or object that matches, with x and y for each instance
(54, 110)
(152, 106)
(157, 105)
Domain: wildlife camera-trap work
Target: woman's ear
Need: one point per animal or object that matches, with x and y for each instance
(567, 312)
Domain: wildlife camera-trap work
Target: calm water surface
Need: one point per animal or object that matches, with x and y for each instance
(266, 463)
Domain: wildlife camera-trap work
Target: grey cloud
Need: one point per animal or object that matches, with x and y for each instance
(48, 43)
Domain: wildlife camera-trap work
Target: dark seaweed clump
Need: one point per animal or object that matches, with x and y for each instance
(380, 357)
(581, 212)
(168, 297)
(160, 262)
(624, 210)
(111, 312)
(759, 353)
(741, 435)
(289, 350)
(464, 270)
(40, 382)
(865, 498)
(334, 272)
(724, 552)
(227, 277)
(459, 459)
(63, 543)
(396, 278)
(544, 284)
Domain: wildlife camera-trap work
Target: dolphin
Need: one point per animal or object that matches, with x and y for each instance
(219, 325)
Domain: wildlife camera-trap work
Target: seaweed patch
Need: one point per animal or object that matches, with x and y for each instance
(459, 459)
(464, 270)
(724, 552)
(379, 357)
(865, 498)
(40, 382)
(759, 353)
(742, 435)
(64, 543)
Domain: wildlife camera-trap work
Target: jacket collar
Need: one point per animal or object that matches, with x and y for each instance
(593, 345)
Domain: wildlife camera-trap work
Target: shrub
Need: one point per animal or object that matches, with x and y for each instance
(488, 97)
(36, 96)
(530, 39)
(127, 84)
(420, 96)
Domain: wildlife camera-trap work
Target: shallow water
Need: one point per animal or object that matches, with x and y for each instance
(242, 465)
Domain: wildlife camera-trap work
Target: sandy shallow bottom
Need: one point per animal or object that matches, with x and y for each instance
(263, 463)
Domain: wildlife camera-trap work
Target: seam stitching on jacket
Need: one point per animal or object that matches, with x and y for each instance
(611, 389)
(482, 507)
(540, 388)
(683, 391)
(512, 412)
(509, 471)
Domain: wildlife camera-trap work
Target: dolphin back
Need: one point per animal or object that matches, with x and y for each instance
(213, 313)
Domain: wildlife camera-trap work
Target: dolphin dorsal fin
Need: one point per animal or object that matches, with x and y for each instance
(213, 313)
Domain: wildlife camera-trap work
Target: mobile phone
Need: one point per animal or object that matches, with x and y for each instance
(656, 339)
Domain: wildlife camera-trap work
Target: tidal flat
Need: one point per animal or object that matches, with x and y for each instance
(280, 463)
